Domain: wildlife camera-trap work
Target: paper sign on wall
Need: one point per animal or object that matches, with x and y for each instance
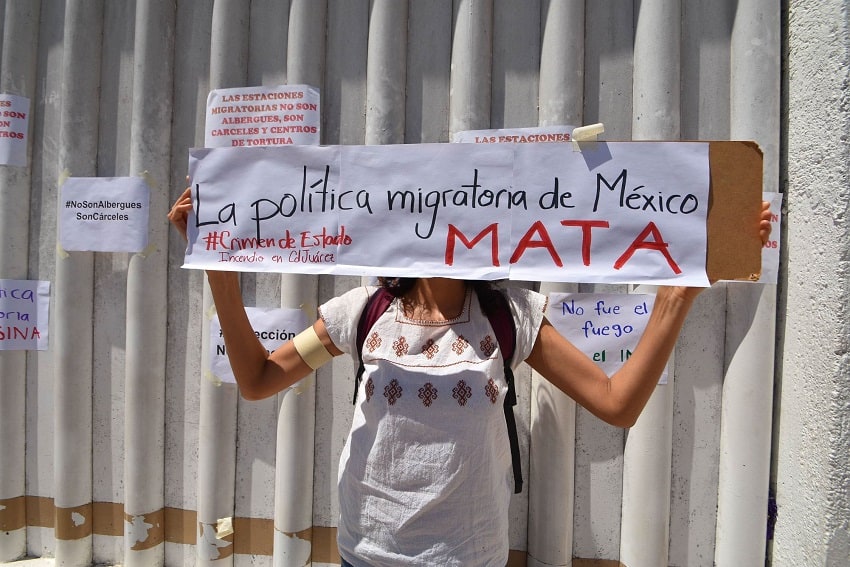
(14, 128)
(262, 116)
(104, 214)
(606, 327)
(24, 311)
(481, 211)
(272, 326)
(534, 135)
(770, 252)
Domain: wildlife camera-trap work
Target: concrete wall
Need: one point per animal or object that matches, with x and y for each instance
(812, 446)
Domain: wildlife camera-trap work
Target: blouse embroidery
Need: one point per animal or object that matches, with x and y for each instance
(401, 347)
(460, 345)
(488, 347)
(491, 391)
(393, 391)
(461, 392)
(463, 317)
(427, 393)
(373, 342)
(430, 349)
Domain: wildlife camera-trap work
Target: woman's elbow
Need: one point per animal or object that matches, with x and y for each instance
(253, 390)
(624, 421)
(251, 394)
(623, 417)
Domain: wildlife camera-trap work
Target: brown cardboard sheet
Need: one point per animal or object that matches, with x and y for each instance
(734, 246)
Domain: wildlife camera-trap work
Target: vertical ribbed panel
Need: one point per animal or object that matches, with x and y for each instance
(429, 52)
(472, 42)
(217, 428)
(608, 55)
(751, 311)
(551, 474)
(385, 80)
(257, 422)
(699, 367)
(185, 289)
(514, 88)
(562, 63)
(144, 427)
(647, 457)
(73, 294)
(17, 77)
(293, 515)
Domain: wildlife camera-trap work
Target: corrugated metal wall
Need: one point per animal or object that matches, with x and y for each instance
(115, 446)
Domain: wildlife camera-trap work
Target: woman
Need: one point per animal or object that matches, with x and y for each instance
(425, 476)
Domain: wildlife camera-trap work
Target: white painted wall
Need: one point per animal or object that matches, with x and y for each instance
(812, 448)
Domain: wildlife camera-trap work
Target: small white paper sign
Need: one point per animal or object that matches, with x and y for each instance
(770, 251)
(534, 135)
(272, 326)
(104, 214)
(24, 311)
(606, 327)
(263, 116)
(14, 128)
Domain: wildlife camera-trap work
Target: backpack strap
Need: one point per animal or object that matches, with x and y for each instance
(495, 306)
(376, 305)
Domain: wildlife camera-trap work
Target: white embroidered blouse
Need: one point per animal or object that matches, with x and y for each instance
(425, 477)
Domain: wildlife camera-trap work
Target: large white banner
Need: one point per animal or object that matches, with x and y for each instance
(614, 212)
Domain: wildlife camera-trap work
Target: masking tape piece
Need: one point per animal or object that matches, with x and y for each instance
(223, 528)
(301, 386)
(586, 134)
(60, 252)
(309, 310)
(208, 374)
(147, 251)
(146, 176)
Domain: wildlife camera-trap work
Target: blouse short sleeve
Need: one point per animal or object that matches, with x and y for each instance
(528, 309)
(341, 315)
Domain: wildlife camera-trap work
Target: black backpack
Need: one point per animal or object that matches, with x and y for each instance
(495, 307)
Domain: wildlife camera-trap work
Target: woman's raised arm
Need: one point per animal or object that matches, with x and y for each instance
(619, 399)
(258, 373)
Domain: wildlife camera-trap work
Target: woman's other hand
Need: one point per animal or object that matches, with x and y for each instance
(179, 213)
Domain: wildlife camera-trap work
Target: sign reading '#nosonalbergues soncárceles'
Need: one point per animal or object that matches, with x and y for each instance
(104, 214)
(614, 212)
